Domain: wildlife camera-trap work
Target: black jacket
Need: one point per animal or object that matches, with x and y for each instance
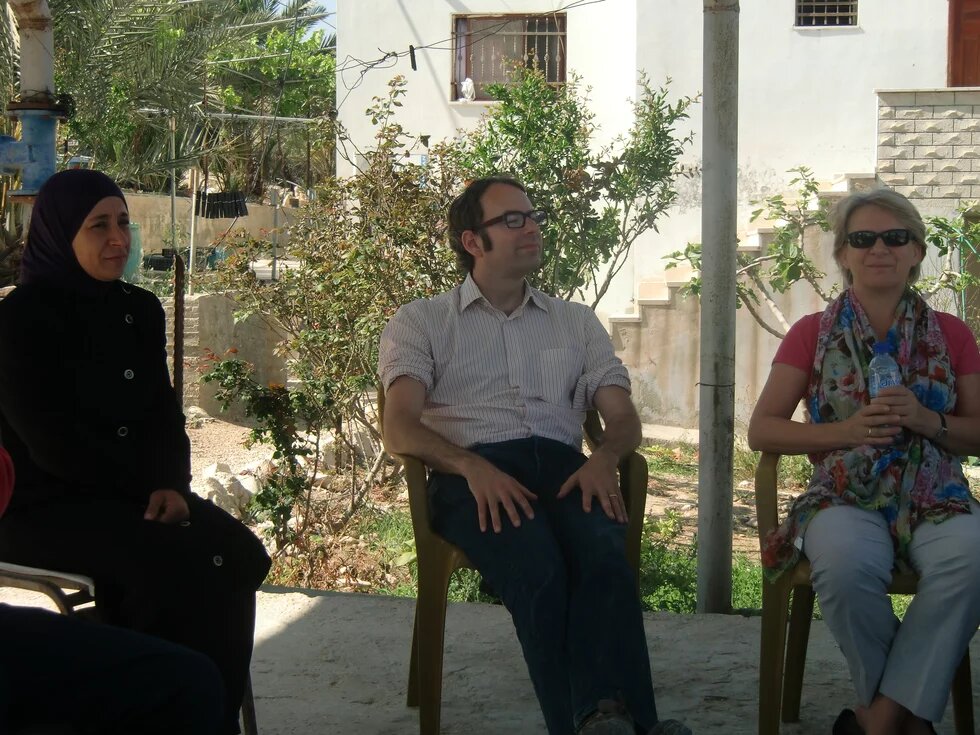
(86, 404)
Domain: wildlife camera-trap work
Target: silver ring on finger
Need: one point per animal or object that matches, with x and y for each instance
(870, 431)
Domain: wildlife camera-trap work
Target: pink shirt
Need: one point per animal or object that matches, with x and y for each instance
(799, 346)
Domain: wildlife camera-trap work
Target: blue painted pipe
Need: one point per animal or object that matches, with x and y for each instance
(34, 154)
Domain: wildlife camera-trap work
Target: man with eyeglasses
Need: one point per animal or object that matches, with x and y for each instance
(488, 385)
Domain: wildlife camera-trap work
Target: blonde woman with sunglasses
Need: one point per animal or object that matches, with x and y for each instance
(887, 486)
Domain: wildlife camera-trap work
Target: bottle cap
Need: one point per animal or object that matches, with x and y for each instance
(882, 348)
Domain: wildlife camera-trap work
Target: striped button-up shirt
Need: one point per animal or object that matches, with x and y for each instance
(491, 376)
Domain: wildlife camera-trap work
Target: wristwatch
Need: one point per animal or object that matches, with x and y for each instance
(943, 429)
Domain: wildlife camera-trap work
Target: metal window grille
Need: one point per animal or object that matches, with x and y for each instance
(487, 47)
(826, 13)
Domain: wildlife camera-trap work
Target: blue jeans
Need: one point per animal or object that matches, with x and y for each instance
(565, 580)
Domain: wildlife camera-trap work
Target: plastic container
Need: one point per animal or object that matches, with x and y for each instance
(883, 371)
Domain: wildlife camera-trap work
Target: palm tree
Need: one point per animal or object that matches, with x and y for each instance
(132, 65)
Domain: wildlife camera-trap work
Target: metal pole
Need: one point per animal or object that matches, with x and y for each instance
(718, 227)
(173, 182)
(275, 231)
(179, 328)
(192, 253)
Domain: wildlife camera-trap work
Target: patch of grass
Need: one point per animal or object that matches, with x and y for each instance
(746, 584)
(668, 570)
(668, 573)
(390, 536)
(900, 604)
(794, 469)
(678, 459)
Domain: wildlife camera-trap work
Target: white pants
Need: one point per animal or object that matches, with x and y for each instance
(913, 663)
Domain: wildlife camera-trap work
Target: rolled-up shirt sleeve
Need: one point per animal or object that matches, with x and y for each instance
(602, 367)
(405, 349)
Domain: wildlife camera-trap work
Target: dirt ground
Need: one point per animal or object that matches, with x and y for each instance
(332, 663)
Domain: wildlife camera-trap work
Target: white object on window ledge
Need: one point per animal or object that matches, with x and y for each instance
(468, 89)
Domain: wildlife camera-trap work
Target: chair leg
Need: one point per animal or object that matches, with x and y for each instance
(775, 598)
(249, 726)
(430, 611)
(412, 700)
(963, 697)
(799, 636)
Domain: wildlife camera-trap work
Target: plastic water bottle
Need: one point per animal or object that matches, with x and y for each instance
(882, 370)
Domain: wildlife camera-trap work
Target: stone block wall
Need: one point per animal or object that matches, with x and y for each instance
(929, 145)
(210, 325)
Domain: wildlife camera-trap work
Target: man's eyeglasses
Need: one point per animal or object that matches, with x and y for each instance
(863, 239)
(516, 220)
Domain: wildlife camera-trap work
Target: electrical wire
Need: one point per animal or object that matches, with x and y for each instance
(390, 58)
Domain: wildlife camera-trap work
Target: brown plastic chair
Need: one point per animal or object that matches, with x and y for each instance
(780, 688)
(74, 594)
(437, 559)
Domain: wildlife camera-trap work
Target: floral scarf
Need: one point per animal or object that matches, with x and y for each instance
(909, 482)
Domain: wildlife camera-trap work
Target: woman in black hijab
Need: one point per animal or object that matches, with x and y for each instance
(97, 437)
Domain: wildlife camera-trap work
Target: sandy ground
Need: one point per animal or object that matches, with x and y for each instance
(336, 663)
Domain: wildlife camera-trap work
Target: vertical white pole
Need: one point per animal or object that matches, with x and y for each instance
(718, 236)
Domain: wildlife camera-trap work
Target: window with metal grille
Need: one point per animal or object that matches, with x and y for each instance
(826, 13)
(487, 47)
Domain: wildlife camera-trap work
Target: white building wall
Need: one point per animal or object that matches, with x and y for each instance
(601, 43)
(806, 95)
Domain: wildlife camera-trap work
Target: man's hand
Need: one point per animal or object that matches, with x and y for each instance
(167, 506)
(493, 490)
(597, 479)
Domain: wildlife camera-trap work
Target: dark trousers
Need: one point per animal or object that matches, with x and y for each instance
(92, 678)
(191, 583)
(565, 580)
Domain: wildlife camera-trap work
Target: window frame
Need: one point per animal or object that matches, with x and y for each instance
(820, 9)
(461, 59)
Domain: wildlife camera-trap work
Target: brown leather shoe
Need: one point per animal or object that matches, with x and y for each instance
(610, 718)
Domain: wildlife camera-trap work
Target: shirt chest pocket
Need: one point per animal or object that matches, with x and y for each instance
(558, 372)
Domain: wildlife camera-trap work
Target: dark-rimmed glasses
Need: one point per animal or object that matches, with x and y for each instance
(863, 239)
(516, 220)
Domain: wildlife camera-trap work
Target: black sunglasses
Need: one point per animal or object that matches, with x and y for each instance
(516, 220)
(863, 239)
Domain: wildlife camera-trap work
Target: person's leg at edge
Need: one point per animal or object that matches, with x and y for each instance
(851, 558)
(166, 577)
(606, 643)
(212, 610)
(940, 621)
(102, 679)
(524, 567)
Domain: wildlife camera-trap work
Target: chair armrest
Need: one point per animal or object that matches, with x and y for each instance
(765, 493)
(633, 476)
(416, 477)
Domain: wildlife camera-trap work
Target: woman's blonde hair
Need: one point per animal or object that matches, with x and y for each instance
(888, 200)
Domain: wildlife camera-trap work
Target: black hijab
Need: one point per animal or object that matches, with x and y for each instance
(61, 207)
